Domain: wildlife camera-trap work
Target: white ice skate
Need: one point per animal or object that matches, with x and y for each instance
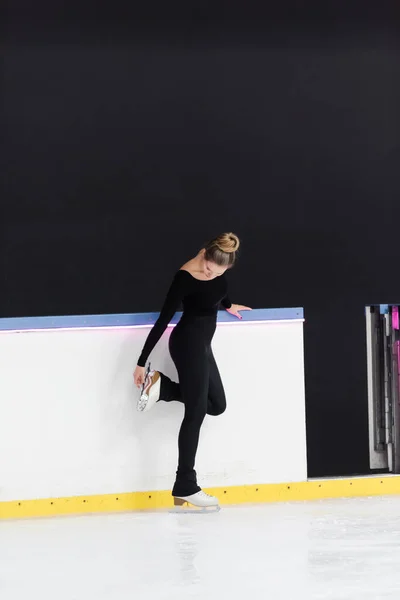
(150, 391)
(198, 502)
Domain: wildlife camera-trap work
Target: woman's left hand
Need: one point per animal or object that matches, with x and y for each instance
(235, 310)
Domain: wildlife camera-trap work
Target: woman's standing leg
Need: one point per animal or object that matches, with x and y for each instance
(192, 364)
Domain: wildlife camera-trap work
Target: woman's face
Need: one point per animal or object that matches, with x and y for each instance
(211, 270)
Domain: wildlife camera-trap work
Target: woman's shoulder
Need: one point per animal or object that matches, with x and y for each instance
(182, 272)
(181, 276)
(188, 266)
(186, 270)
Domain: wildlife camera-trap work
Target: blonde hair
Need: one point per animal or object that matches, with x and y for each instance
(222, 250)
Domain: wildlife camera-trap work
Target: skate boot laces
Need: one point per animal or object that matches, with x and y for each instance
(147, 377)
(204, 495)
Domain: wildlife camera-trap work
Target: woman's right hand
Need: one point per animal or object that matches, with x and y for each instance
(139, 375)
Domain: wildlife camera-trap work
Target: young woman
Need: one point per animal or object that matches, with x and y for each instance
(201, 286)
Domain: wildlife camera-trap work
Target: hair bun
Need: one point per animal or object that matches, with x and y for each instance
(228, 242)
(222, 250)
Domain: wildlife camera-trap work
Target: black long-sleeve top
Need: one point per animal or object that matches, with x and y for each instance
(199, 297)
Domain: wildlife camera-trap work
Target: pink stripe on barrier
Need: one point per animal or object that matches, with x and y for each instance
(395, 317)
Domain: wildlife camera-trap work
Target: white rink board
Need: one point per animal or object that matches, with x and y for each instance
(69, 425)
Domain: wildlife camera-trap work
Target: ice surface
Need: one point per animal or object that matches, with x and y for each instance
(336, 550)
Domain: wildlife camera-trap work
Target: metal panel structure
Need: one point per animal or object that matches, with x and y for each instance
(383, 367)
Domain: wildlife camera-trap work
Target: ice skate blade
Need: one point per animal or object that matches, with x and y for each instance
(184, 507)
(194, 510)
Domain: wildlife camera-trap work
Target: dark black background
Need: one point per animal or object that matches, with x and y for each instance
(131, 134)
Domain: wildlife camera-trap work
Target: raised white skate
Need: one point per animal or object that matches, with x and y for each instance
(198, 502)
(150, 391)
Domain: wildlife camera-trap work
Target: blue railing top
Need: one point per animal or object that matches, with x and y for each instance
(139, 320)
(384, 308)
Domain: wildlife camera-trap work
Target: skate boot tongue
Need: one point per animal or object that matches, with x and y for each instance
(206, 497)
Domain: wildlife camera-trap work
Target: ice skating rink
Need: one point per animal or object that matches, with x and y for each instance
(336, 550)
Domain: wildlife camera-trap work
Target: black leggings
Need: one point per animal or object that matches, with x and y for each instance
(200, 389)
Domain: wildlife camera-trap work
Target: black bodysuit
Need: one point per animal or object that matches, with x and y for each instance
(200, 387)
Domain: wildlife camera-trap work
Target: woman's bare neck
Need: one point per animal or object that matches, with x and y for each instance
(193, 267)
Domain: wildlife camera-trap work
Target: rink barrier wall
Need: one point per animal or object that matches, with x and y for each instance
(69, 425)
(318, 489)
(138, 320)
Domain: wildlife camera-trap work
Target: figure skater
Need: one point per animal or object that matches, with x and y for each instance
(200, 285)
